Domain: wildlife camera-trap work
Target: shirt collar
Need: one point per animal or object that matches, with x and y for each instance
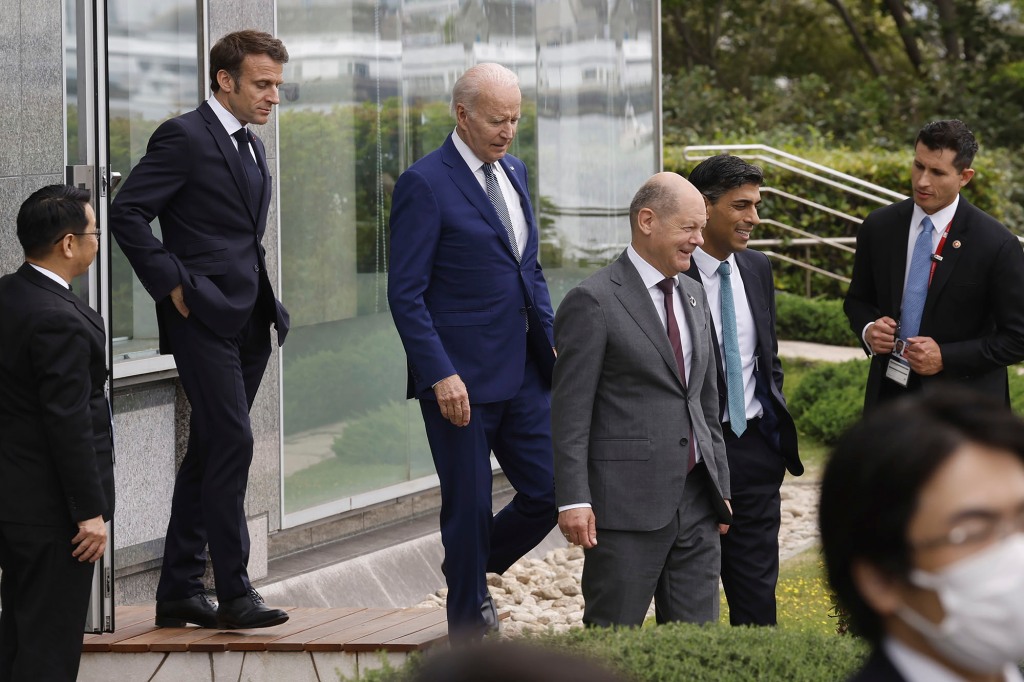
(708, 264)
(226, 118)
(467, 154)
(940, 218)
(648, 273)
(52, 275)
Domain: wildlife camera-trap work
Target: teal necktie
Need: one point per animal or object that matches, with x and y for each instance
(733, 364)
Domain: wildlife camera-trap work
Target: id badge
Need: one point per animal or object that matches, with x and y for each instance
(898, 369)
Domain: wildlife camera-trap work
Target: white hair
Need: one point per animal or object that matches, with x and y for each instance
(476, 79)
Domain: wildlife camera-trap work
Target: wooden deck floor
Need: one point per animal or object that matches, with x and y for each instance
(307, 629)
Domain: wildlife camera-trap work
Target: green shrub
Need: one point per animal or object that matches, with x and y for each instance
(819, 320)
(379, 437)
(681, 651)
(829, 399)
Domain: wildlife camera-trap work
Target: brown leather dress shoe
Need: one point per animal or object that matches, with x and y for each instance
(196, 609)
(248, 611)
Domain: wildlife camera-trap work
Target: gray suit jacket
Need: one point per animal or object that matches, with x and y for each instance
(620, 415)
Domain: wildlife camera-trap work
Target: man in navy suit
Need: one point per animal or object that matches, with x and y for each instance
(922, 531)
(56, 452)
(205, 176)
(760, 437)
(968, 327)
(472, 307)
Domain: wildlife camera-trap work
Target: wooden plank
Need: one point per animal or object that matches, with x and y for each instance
(345, 618)
(300, 621)
(381, 639)
(219, 642)
(182, 641)
(424, 639)
(104, 642)
(336, 641)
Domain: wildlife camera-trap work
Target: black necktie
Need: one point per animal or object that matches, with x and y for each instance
(252, 171)
(668, 287)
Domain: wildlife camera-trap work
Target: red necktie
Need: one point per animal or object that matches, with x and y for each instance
(667, 286)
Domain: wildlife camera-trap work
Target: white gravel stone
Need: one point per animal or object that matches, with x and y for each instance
(543, 595)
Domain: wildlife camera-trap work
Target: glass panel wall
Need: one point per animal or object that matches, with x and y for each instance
(153, 74)
(367, 94)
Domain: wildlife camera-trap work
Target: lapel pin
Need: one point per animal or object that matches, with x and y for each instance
(693, 302)
(956, 244)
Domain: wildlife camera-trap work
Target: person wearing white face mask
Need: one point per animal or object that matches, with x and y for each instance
(922, 529)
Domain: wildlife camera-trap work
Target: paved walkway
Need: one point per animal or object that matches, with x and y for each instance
(819, 351)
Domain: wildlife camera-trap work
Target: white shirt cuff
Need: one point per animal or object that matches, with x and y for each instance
(578, 505)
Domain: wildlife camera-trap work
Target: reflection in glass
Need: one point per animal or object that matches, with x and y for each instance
(153, 74)
(368, 91)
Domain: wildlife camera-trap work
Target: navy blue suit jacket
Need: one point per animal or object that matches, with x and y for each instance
(777, 424)
(192, 179)
(458, 296)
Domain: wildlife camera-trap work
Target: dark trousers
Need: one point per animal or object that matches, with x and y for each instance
(476, 541)
(750, 550)
(220, 377)
(677, 566)
(44, 593)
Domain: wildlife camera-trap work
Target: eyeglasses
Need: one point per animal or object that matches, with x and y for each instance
(97, 234)
(977, 529)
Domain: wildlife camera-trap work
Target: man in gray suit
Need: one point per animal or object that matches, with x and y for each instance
(639, 453)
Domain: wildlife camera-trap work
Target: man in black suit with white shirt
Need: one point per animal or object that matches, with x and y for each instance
(56, 451)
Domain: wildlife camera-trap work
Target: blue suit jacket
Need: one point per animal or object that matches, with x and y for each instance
(459, 298)
(192, 179)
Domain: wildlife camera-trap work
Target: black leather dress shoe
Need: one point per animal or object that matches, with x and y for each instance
(489, 610)
(248, 611)
(196, 609)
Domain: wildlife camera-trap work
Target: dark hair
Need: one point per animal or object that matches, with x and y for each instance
(655, 195)
(716, 175)
(230, 51)
(49, 214)
(506, 661)
(871, 483)
(951, 134)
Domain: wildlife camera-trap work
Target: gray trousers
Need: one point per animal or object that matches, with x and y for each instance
(678, 566)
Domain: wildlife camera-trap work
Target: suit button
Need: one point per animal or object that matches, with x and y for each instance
(255, 268)
(683, 442)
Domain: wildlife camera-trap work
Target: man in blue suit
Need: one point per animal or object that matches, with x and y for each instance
(472, 307)
(205, 176)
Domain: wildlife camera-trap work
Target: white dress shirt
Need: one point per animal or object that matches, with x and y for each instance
(52, 275)
(916, 667)
(512, 201)
(231, 124)
(746, 333)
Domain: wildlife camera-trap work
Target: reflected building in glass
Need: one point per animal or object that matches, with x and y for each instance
(368, 94)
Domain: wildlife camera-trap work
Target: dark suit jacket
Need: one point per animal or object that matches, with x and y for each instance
(975, 304)
(56, 451)
(458, 297)
(192, 179)
(776, 424)
(620, 415)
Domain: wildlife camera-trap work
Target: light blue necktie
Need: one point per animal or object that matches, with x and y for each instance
(733, 363)
(917, 282)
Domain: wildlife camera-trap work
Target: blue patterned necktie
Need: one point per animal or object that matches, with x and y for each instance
(917, 282)
(498, 199)
(733, 363)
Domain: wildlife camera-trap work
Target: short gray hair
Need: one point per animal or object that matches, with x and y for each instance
(655, 195)
(476, 79)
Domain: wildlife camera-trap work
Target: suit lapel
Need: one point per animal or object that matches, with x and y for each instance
(467, 183)
(959, 233)
(756, 289)
(230, 153)
(511, 172)
(694, 273)
(44, 282)
(638, 304)
(898, 248)
(261, 161)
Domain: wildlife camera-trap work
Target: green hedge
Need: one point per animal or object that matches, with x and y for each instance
(680, 651)
(829, 399)
(819, 320)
